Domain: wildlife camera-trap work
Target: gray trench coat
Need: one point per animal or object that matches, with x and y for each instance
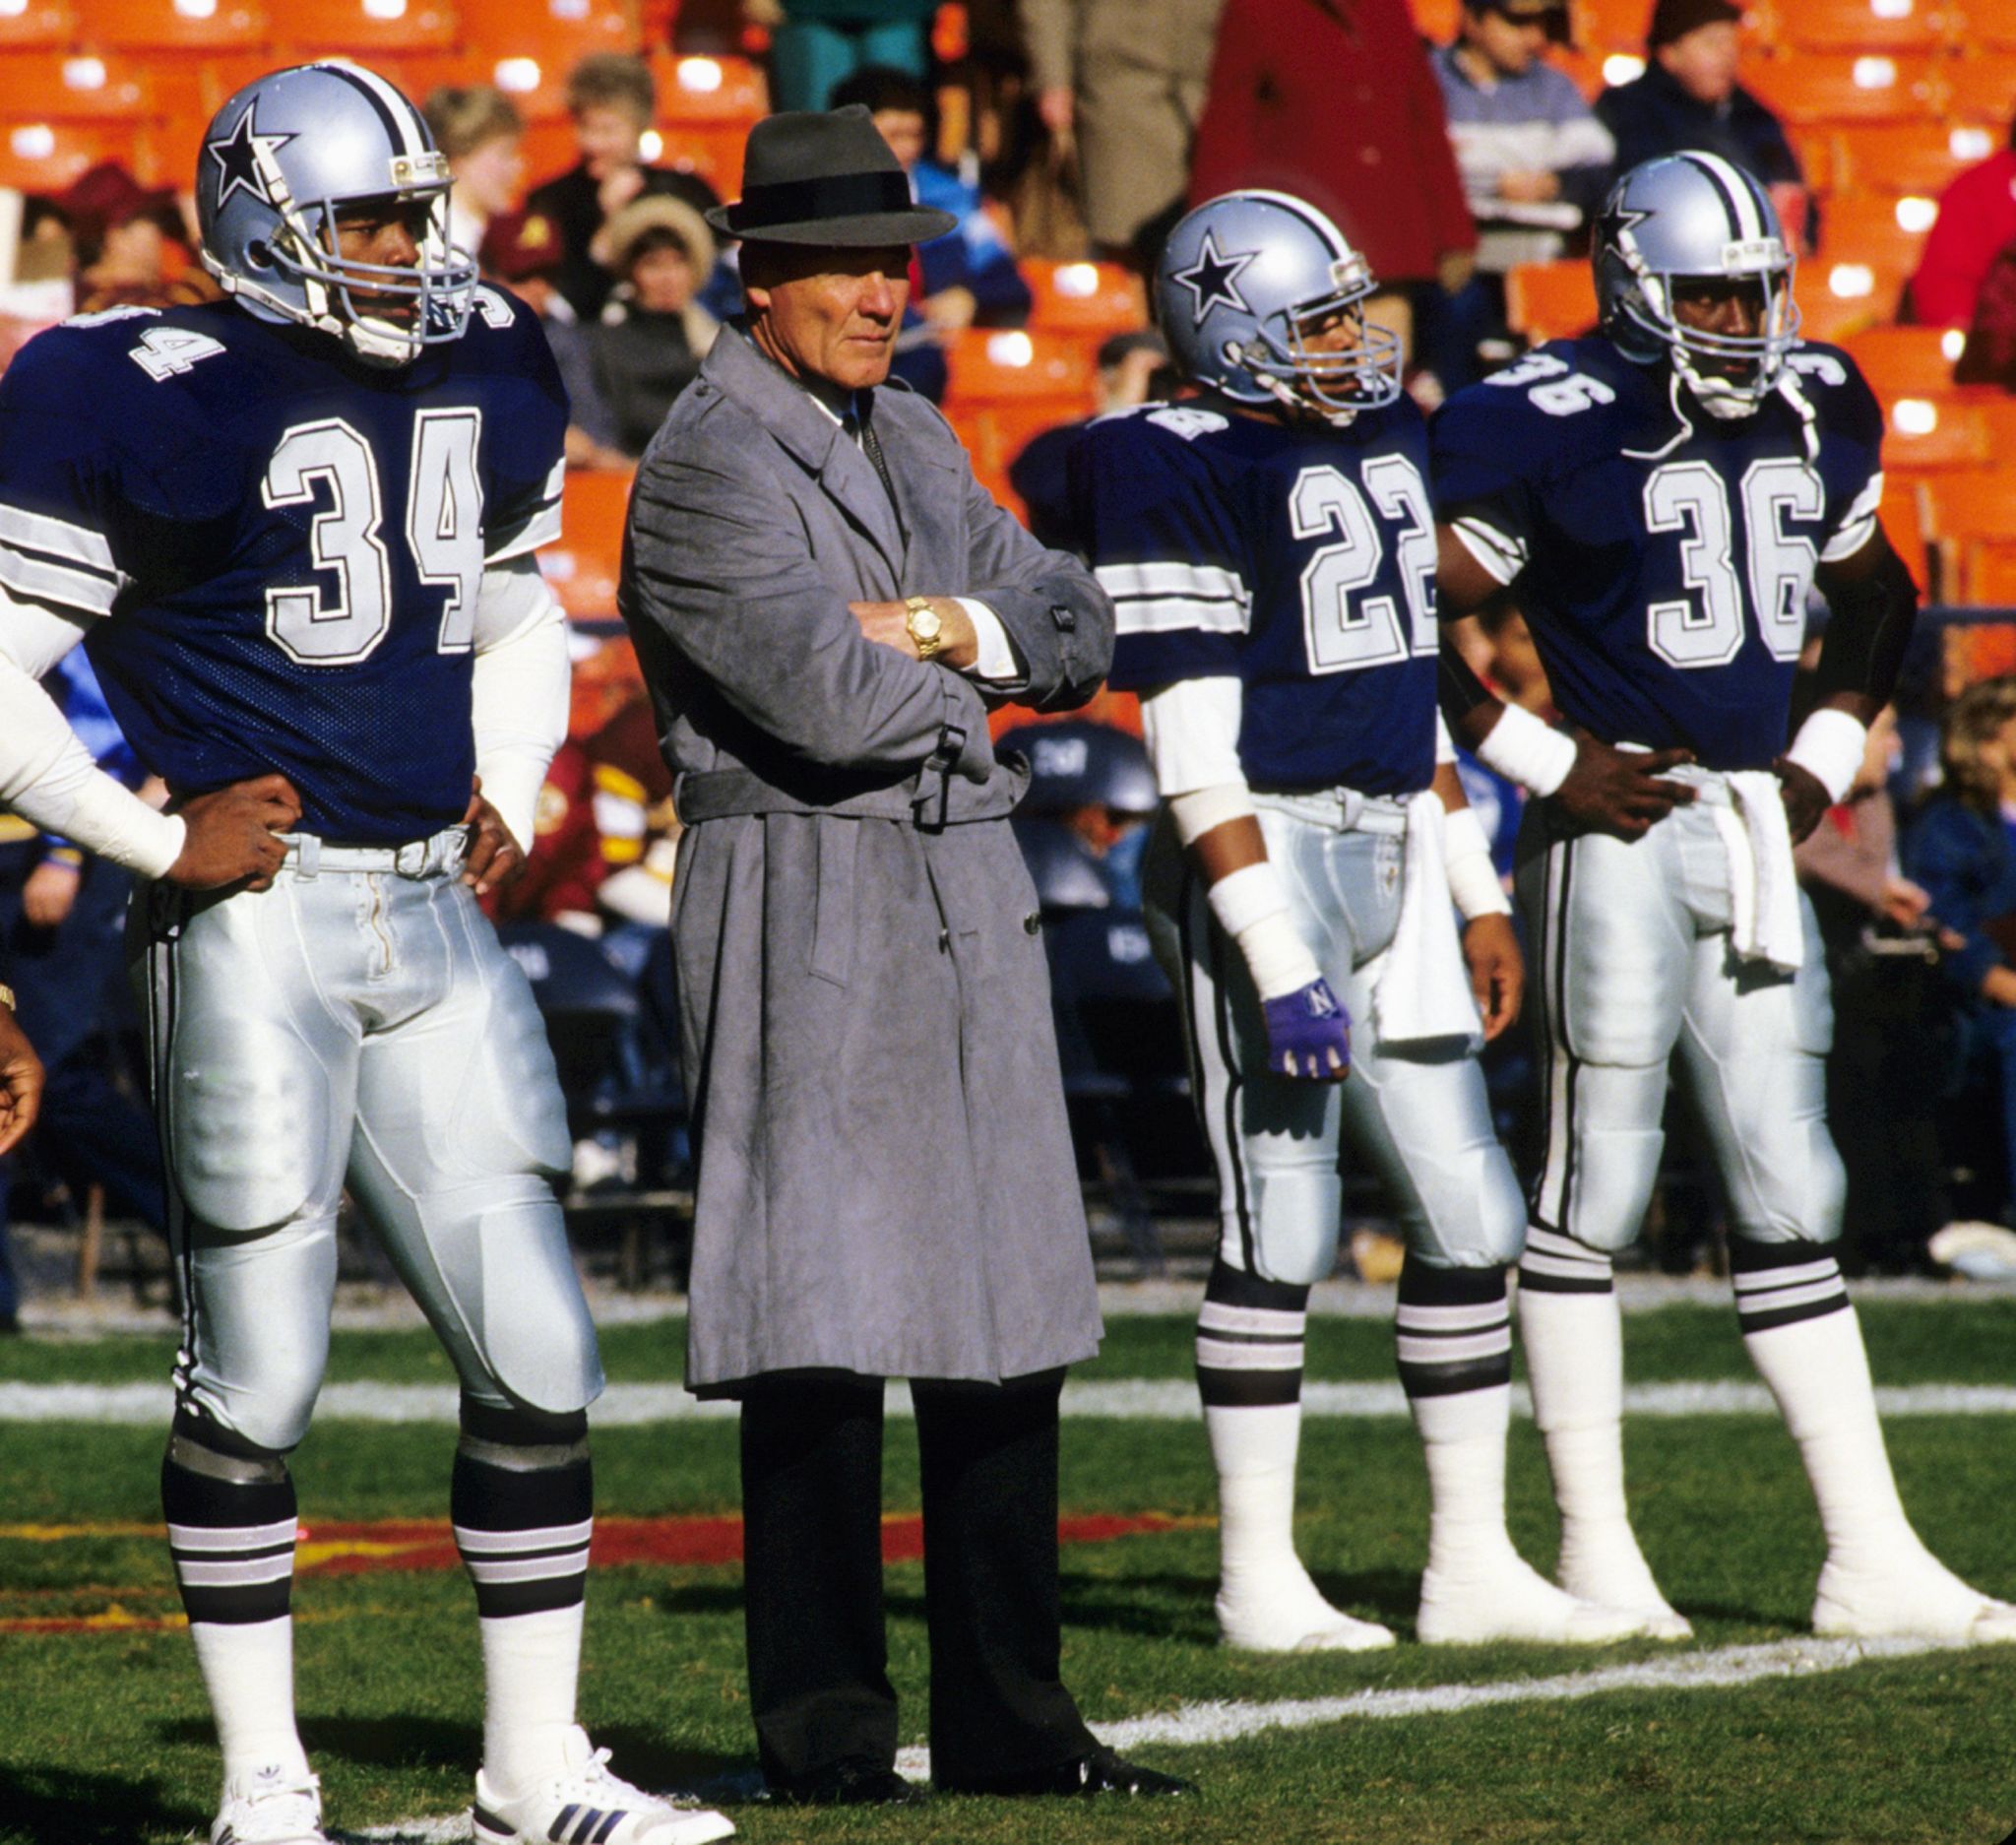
(886, 1179)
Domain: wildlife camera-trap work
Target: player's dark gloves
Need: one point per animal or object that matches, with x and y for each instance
(1309, 1034)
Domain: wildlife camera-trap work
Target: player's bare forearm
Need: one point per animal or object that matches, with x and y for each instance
(21, 1081)
(1229, 847)
(1872, 609)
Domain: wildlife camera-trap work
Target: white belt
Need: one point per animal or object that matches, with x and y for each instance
(1342, 809)
(441, 856)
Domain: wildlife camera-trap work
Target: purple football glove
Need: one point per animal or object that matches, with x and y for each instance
(1309, 1034)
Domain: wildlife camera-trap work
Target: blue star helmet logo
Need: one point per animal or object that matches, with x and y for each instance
(238, 153)
(1618, 221)
(1212, 278)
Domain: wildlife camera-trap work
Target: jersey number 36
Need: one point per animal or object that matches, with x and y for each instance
(319, 624)
(1705, 626)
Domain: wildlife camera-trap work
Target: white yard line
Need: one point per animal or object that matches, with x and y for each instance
(1192, 1726)
(1093, 1399)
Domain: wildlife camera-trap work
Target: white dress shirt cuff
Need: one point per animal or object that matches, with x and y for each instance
(997, 659)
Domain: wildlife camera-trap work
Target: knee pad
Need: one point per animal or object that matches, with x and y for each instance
(260, 1306)
(1473, 1211)
(1296, 1212)
(247, 1122)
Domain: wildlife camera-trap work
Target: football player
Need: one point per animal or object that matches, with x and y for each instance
(1269, 545)
(1661, 495)
(295, 529)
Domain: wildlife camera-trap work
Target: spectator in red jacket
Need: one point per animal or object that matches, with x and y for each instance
(1977, 222)
(1335, 101)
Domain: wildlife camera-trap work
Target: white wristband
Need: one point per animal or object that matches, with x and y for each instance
(1473, 884)
(1252, 909)
(1523, 749)
(1830, 746)
(1203, 808)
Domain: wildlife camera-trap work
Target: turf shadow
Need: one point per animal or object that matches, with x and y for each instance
(87, 1808)
(1168, 1606)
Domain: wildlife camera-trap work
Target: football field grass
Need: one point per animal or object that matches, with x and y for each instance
(1743, 1735)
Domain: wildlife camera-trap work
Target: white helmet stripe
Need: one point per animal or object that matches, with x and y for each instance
(1745, 220)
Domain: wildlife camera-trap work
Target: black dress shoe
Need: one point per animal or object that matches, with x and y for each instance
(848, 1784)
(1097, 1771)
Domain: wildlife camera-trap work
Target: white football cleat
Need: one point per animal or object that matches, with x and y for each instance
(270, 1808)
(1608, 1569)
(1291, 1615)
(1915, 1597)
(585, 1805)
(1504, 1598)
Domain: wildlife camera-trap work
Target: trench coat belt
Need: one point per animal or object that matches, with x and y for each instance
(717, 794)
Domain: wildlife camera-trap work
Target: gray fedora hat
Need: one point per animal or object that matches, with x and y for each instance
(825, 176)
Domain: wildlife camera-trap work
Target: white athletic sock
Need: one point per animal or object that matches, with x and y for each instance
(1575, 1364)
(1254, 1448)
(531, 1667)
(1819, 1373)
(1463, 1440)
(248, 1670)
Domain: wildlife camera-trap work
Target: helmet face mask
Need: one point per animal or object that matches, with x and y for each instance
(1261, 299)
(1692, 226)
(283, 163)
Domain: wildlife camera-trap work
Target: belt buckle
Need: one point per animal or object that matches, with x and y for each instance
(410, 859)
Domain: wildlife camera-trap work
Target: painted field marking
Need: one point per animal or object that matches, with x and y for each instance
(1203, 1725)
(1172, 1399)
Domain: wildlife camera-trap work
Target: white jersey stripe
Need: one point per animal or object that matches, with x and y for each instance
(54, 583)
(73, 543)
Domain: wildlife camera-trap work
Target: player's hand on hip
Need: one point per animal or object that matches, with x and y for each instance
(494, 857)
(1309, 1034)
(1620, 791)
(1805, 797)
(21, 1081)
(233, 834)
(1498, 971)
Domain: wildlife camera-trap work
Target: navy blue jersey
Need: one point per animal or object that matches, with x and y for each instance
(1296, 558)
(282, 547)
(1665, 579)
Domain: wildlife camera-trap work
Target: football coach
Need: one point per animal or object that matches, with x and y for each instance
(825, 605)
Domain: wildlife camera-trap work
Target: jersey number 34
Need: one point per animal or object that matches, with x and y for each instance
(320, 624)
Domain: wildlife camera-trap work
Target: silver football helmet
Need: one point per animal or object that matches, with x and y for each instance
(1687, 217)
(1245, 280)
(277, 162)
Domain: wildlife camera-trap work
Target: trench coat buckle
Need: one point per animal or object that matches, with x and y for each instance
(939, 764)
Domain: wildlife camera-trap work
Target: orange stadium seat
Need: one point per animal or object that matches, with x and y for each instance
(1609, 25)
(164, 25)
(1925, 435)
(1090, 299)
(555, 31)
(706, 106)
(1007, 386)
(1985, 576)
(1856, 25)
(1818, 156)
(1903, 361)
(1435, 20)
(1985, 24)
(313, 27)
(583, 567)
(46, 157)
(1972, 503)
(1903, 515)
(1825, 88)
(1840, 299)
(1922, 157)
(49, 23)
(1550, 301)
(1981, 88)
(1874, 227)
(84, 87)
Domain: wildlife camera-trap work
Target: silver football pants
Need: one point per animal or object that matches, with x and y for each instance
(1417, 1116)
(358, 1026)
(1631, 945)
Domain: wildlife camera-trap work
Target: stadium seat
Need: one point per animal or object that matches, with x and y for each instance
(1819, 160)
(1981, 88)
(1821, 88)
(1924, 436)
(1986, 573)
(583, 566)
(1974, 503)
(49, 24)
(81, 87)
(1610, 25)
(1903, 522)
(1436, 20)
(1874, 227)
(1903, 361)
(1985, 25)
(706, 107)
(166, 26)
(1839, 300)
(1855, 24)
(1550, 301)
(1089, 299)
(46, 157)
(556, 31)
(1922, 157)
(315, 27)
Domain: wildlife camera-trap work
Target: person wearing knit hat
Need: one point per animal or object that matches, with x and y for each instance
(1689, 99)
(653, 333)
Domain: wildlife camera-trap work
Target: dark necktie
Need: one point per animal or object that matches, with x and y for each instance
(864, 427)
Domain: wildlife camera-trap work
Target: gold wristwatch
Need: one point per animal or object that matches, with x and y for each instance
(926, 626)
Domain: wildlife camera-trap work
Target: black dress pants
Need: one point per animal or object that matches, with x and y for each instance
(812, 1555)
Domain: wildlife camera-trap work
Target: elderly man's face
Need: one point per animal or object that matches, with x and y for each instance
(828, 314)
